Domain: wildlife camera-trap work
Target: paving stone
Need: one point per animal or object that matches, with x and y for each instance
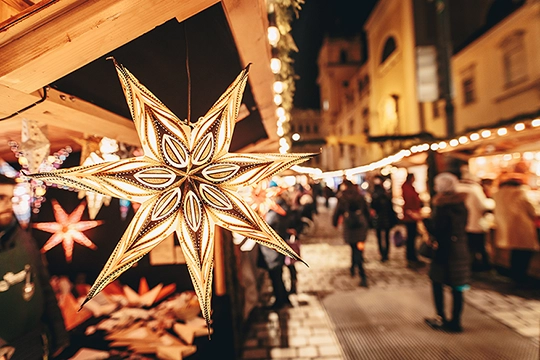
(255, 354)
(282, 353)
(533, 331)
(329, 350)
(251, 343)
(322, 340)
(296, 341)
(322, 331)
(308, 351)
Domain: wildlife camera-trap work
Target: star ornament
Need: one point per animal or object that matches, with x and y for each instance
(68, 229)
(186, 182)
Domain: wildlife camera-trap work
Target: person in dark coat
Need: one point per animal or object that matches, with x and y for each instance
(274, 261)
(451, 263)
(353, 208)
(411, 215)
(31, 324)
(385, 217)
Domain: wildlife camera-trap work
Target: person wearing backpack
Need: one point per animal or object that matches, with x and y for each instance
(352, 207)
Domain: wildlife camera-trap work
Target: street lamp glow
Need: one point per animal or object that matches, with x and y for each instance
(275, 65)
(474, 136)
(502, 132)
(519, 127)
(296, 136)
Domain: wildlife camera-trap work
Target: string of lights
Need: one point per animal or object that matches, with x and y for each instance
(487, 133)
(280, 16)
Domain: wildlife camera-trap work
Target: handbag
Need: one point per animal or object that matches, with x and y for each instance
(398, 238)
(426, 250)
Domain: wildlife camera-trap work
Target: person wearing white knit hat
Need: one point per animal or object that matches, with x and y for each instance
(450, 263)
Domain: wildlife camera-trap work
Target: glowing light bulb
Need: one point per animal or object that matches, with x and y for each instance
(275, 65)
(296, 136)
(519, 127)
(273, 35)
(280, 131)
(536, 123)
(443, 145)
(454, 142)
(278, 87)
(278, 99)
(502, 132)
(474, 136)
(280, 111)
(486, 133)
(463, 139)
(434, 147)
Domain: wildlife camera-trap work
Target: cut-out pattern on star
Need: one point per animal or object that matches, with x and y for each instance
(186, 182)
(67, 229)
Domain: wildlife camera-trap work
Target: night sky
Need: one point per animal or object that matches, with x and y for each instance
(317, 19)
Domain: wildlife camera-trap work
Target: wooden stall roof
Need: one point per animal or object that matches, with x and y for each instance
(57, 44)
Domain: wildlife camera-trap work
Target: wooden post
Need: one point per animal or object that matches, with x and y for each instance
(219, 263)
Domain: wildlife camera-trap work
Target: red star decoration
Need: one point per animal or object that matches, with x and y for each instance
(67, 229)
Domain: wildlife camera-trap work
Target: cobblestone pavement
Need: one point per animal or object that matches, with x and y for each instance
(305, 331)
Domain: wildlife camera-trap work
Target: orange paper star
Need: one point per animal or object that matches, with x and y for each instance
(67, 229)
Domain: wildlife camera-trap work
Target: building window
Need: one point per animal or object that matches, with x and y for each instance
(352, 154)
(345, 84)
(469, 95)
(343, 56)
(351, 126)
(300, 128)
(315, 129)
(514, 59)
(308, 129)
(388, 49)
(341, 151)
(293, 128)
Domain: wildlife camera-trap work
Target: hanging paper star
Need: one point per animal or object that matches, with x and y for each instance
(262, 198)
(34, 147)
(67, 229)
(186, 182)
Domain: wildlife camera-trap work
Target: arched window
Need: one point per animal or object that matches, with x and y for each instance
(389, 47)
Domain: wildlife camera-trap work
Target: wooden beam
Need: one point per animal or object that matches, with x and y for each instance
(250, 36)
(18, 5)
(69, 34)
(66, 111)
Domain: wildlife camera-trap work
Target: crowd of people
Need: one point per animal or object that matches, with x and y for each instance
(453, 232)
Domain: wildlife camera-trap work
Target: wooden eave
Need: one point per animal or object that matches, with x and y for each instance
(58, 39)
